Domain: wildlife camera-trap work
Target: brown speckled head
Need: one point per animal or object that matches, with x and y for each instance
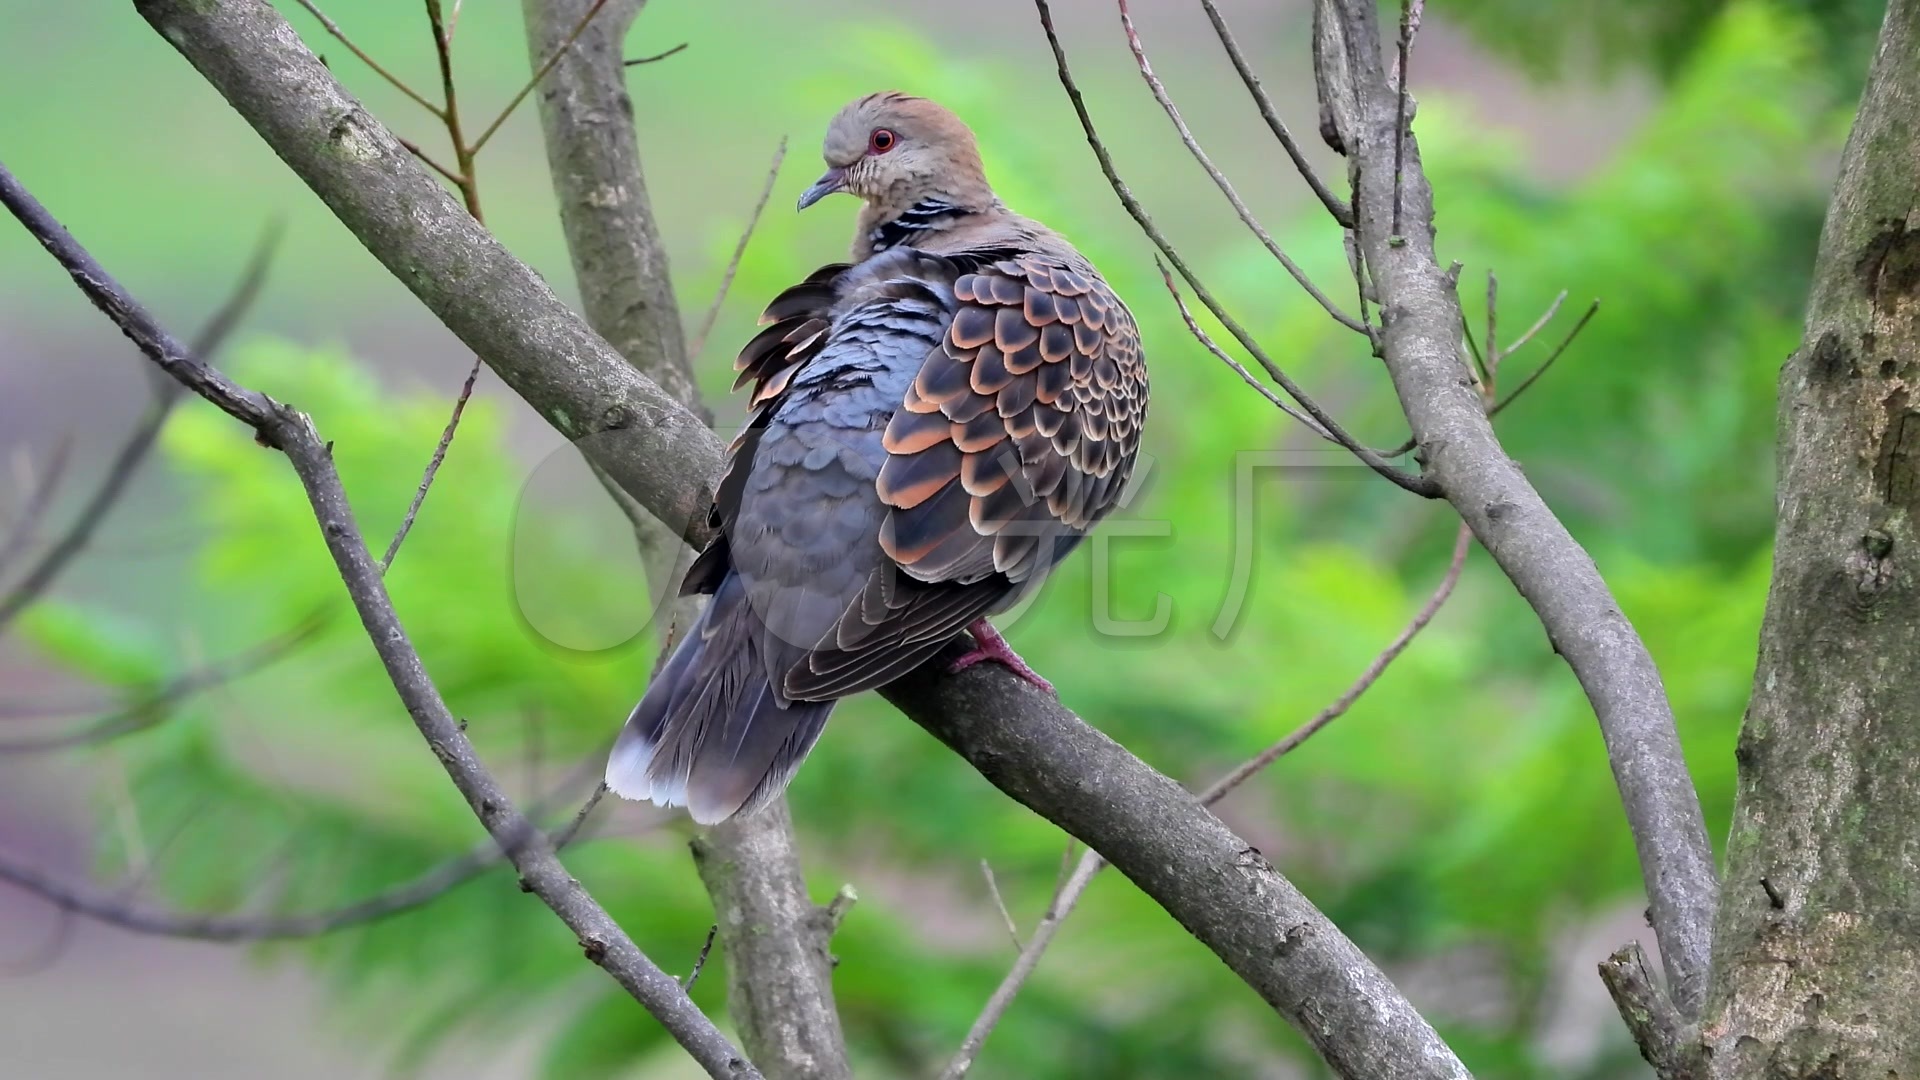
(895, 151)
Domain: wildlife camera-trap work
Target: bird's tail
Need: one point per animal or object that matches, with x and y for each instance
(712, 733)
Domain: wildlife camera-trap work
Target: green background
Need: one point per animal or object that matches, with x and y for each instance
(1671, 159)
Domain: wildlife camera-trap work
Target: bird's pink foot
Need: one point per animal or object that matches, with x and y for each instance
(989, 645)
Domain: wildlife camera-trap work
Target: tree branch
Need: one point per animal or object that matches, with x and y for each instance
(291, 432)
(621, 420)
(1419, 485)
(1342, 213)
(154, 706)
(779, 976)
(1665, 1040)
(1421, 335)
(779, 970)
(1217, 886)
(739, 253)
(115, 908)
(1068, 891)
(141, 439)
(1220, 180)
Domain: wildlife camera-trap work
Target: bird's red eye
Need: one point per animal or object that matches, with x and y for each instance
(882, 141)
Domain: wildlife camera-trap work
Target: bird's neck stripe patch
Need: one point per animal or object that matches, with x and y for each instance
(926, 215)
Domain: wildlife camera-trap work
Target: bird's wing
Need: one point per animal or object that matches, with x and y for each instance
(1020, 428)
(1010, 431)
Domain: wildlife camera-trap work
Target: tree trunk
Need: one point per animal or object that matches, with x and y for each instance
(1816, 967)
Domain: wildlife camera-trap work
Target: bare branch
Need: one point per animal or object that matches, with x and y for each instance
(1342, 213)
(1066, 894)
(1534, 376)
(1069, 888)
(292, 433)
(779, 969)
(1538, 325)
(154, 707)
(700, 962)
(638, 60)
(1030, 746)
(1409, 25)
(1220, 179)
(1000, 905)
(1665, 1039)
(1550, 569)
(1462, 543)
(1419, 485)
(140, 441)
(20, 535)
(1206, 341)
(394, 80)
(739, 252)
(433, 467)
(118, 906)
(538, 74)
(426, 159)
(779, 973)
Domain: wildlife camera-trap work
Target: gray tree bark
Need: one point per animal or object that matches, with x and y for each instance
(773, 939)
(1152, 830)
(1816, 967)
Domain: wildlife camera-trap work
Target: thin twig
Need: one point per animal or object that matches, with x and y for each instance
(1480, 372)
(20, 536)
(1064, 897)
(739, 251)
(700, 962)
(1534, 375)
(398, 83)
(638, 60)
(1462, 543)
(1342, 213)
(1491, 363)
(1418, 485)
(116, 907)
(540, 73)
(1206, 340)
(141, 440)
(453, 21)
(1000, 904)
(153, 708)
(425, 159)
(433, 467)
(1067, 894)
(462, 174)
(1538, 325)
(1220, 179)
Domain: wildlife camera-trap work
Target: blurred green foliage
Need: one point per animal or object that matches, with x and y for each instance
(1463, 812)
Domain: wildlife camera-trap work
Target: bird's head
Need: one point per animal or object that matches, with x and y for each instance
(895, 151)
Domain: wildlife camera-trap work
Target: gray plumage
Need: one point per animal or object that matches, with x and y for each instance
(934, 427)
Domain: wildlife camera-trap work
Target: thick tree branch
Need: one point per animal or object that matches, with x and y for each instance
(621, 420)
(779, 978)
(1421, 334)
(1071, 886)
(1154, 831)
(282, 428)
(779, 971)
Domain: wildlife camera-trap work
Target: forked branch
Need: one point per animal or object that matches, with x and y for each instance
(292, 433)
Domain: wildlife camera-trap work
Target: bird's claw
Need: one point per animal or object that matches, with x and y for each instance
(989, 645)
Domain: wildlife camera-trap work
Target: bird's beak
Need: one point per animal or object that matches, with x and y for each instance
(832, 180)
